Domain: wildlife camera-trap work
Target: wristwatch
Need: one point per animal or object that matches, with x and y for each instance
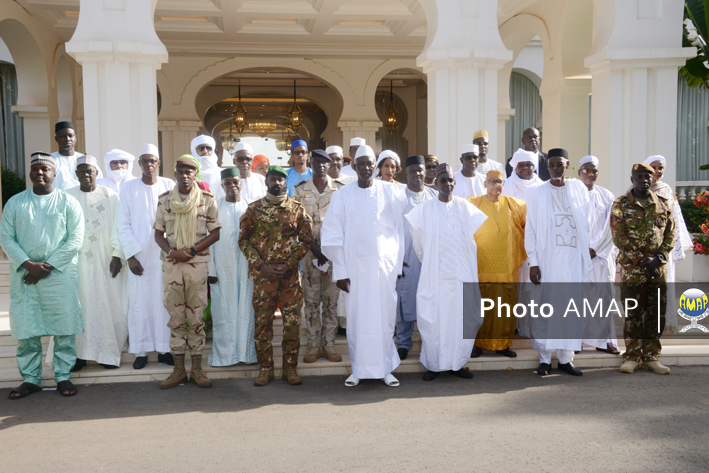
(661, 257)
(193, 251)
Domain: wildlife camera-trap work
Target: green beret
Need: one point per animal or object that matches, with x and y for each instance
(277, 171)
(229, 172)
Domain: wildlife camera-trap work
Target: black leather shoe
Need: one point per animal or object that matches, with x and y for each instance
(543, 369)
(110, 367)
(571, 369)
(166, 358)
(403, 353)
(507, 352)
(78, 365)
(342, 331)
(430, 375)
(140, 362)
(462, 373)
(477, 351)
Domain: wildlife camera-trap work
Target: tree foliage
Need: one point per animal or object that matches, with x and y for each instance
(694, 34)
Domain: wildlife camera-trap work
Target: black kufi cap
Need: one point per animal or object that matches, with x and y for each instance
(418, 159)
(558, 152)
(62, 125)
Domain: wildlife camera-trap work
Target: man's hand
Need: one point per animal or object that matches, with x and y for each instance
(182, 255)
(592, 252)
(115, 266)
(274, 271)
(343, 285)
(134, 266)
(37, 270)
(535, 275)
(650, 266)
(212, 280)
(402, 271)
(318, 254)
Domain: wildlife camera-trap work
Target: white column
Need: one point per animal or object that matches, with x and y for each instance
(633, 64)
(116, 44)
(565, 112)
(177, 137)
(36, 125)
(461, 61)
(366, 129)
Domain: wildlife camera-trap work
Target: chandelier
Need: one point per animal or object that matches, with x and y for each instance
(392, 122)
(294, 114)
(240, 114)
(262, 129)
(286, 141)
(230, 143)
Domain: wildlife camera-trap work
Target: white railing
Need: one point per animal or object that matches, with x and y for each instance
(688, 189)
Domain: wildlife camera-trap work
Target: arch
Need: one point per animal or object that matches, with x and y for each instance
(65, 92)
(385, 68)
(33, 86)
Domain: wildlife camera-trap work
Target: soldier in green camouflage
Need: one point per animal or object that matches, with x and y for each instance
(275, 235)
(318, 287)
(644, 232)
(186, 225)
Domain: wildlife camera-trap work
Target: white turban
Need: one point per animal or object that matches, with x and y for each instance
(654, 158)
(119, 155)
(242, 145)
(88, 159)
(357, 142)
(522, 156)
(470, 149)
(365, 151)
(146, 149)
(334, 150)
(202, 140)
(589, 159)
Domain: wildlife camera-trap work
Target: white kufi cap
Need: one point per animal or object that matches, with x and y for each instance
(242, 145)
(470, 149)
(146, 149)
(87, 159)
(365, 151)
(334, 150)
(357, 142)
(589, 159)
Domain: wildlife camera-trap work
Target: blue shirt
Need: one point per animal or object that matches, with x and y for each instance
(295, 178)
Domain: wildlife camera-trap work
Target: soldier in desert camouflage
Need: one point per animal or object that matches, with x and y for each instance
(275, 235)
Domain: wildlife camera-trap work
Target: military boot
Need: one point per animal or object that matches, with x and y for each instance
(655, 366)
(264, 376)
(178, 376)
(312, 355)
(330, 354)
(291, 375)
(196, 375)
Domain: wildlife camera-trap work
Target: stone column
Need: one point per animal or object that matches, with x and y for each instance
(38, 132)
(565, 112)
(463, 55)
(177, 136)
(116, 44)
(366, 129)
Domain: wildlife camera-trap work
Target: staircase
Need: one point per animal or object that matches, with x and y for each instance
(676, 352)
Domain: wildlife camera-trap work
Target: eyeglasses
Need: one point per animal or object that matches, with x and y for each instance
(243, 159)
(204, 148)
(431, 166)
(122, 162)
(590, 171)
(149, 161)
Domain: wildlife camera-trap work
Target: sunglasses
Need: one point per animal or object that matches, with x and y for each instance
(431, 166)
(299, 152)
(243, 159)
(149, 161)
(122, 162)
(204, 148)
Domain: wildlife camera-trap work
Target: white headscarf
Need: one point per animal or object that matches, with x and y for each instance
(654, 158)
(387, 153)
(521, 156)
(207, 162)
(121, 175)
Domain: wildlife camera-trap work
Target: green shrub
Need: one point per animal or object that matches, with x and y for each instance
(12, 183)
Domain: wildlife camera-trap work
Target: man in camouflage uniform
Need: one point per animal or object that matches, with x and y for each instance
(644, 232)
(275, 235)
(315, 195)
(189, 218)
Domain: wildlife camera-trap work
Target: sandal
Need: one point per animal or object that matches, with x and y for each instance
(351, 382)
(66, 388)
(24, 390)
(391, 381)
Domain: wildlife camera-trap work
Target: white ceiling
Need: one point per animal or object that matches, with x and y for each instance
(392, 28)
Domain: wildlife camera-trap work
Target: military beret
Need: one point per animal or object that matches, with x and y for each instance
(277, 171)
(642, 167)
(320, 154)
(186, 162)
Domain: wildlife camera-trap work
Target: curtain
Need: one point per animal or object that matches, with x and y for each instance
(527, 104)
(692, 132)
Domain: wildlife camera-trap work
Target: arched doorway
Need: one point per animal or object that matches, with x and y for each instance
(527, 104)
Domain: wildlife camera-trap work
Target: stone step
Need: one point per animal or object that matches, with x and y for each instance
(527, 359)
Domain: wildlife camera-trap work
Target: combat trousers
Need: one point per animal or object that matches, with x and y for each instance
(185, 299)
(318, 287)
(268, 293)
(641, 331)
(29, 358)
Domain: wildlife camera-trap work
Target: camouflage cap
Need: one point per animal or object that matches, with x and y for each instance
(642, 167)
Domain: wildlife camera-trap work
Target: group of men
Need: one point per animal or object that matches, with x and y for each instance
(324, 239)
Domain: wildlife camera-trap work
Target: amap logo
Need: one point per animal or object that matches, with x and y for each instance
(693, 306)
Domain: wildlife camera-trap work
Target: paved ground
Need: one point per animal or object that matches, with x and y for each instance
(502, 421)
